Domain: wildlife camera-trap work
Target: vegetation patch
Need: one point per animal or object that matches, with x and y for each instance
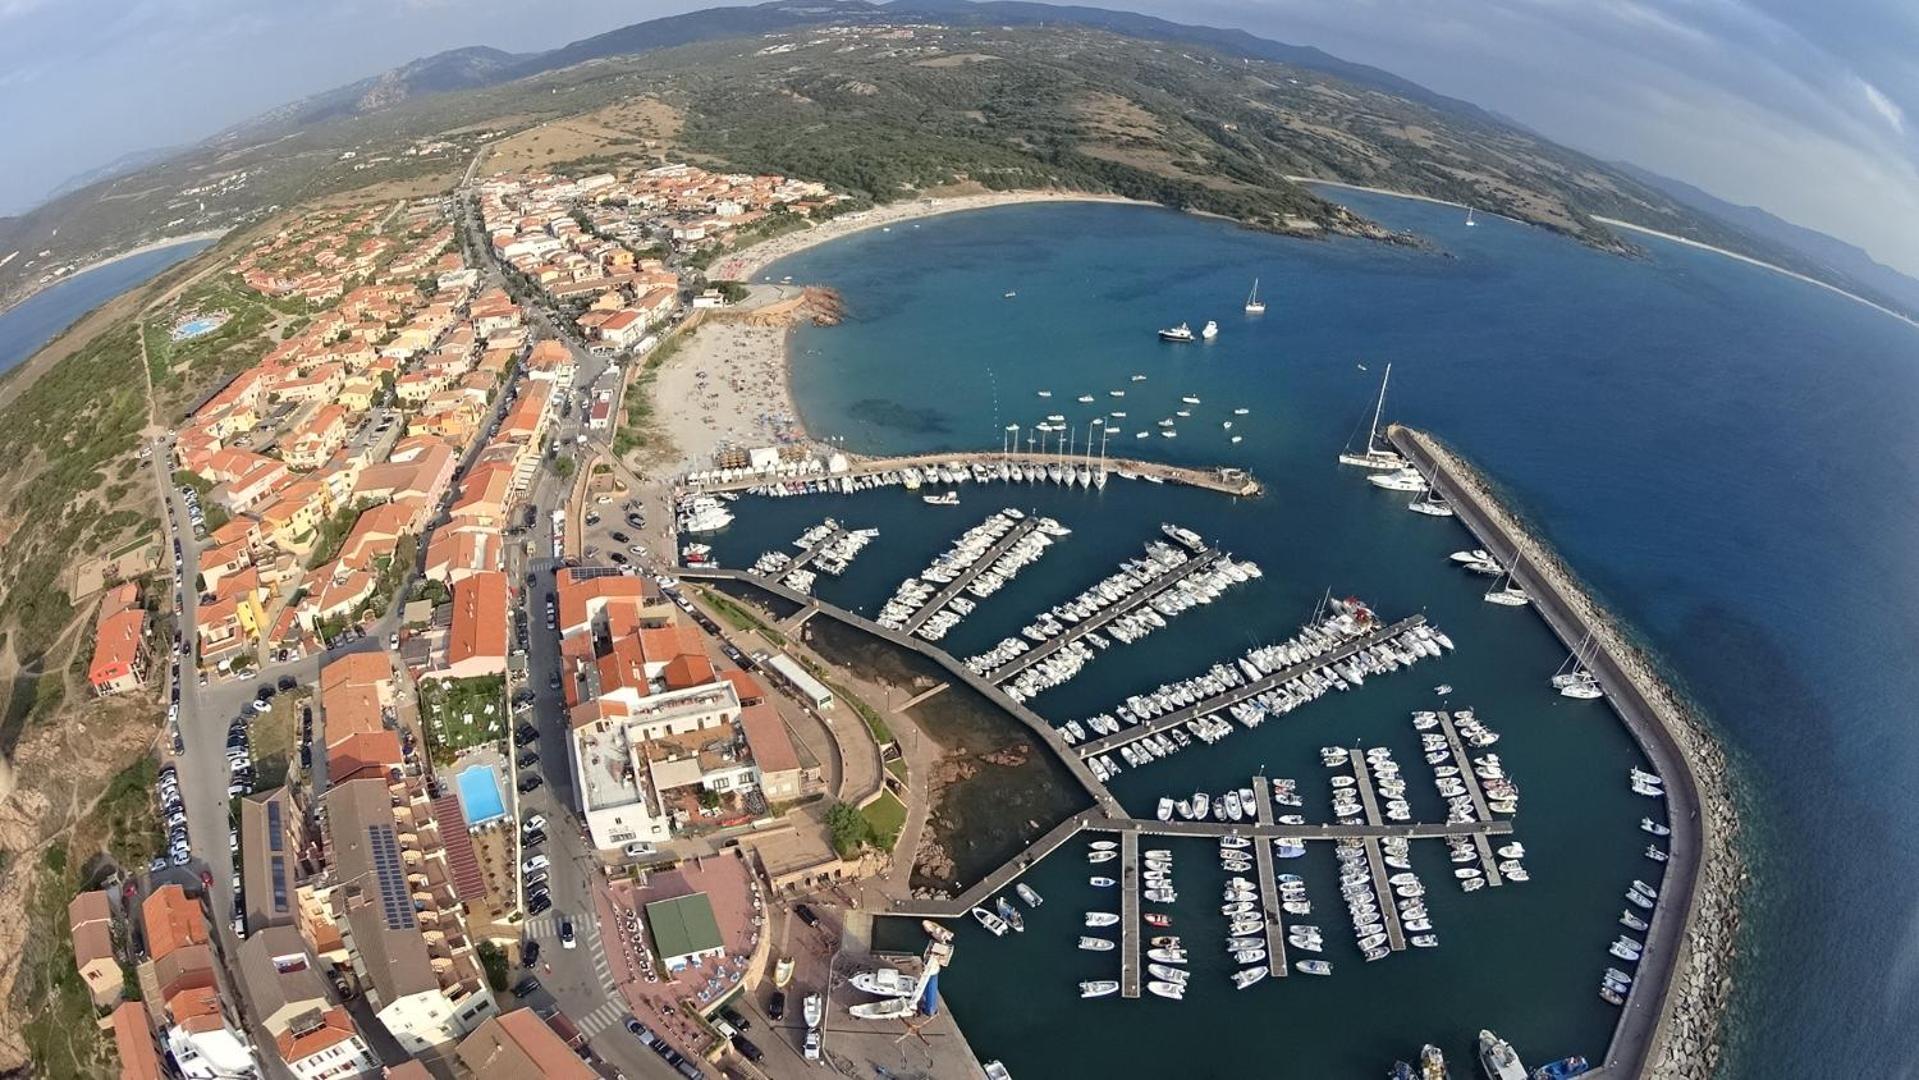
(462, 713)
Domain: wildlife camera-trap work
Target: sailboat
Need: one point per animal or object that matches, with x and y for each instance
(1469, 218)
(1573, 680)
(1505, 590)
(1376, 456)
(1254, 305)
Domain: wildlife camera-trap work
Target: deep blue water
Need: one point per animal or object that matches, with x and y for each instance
(1728, 456)
(39, 318)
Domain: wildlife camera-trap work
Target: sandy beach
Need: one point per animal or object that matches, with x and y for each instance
(728, 385)
(154, 245)
(749, 262)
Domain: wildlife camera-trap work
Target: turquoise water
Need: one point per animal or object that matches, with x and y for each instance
(480, 794)
(1724, 453)
(39, 318)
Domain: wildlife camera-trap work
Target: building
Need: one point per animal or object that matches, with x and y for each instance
(268, 865)
(684, 930)
(776, 765)
(133, 1039)
(313, 1035)
(520, 1045)
(802, 682)
(90, 916)
(476, 643)
(173, 921)
(204, 1042)
(120, 650)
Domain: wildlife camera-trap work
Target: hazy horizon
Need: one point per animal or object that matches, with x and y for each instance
(1800, 113)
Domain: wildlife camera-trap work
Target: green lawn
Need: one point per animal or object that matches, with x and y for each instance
(455, 714)
(885, 817)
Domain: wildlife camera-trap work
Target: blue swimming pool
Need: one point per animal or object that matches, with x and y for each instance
(480, 794)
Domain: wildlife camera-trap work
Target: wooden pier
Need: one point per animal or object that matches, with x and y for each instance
(1487, 865)
(812, 551)
(1388, 909)
(966, 577)
(1226, 480)
(1080, 629)
(1095, 747)
(1269, 880)
(1129, 932)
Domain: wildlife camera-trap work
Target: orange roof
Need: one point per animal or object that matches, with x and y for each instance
(350, 694)
(745, 686)
(361, 751)
(196, 1009)
(91, 919)
(172, 921)
(688, 670)
(479, 618)
(117, 645)
(335, 1027)
(576, 597)
(134, 1040)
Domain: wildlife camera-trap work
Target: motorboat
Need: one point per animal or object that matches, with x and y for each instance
(1653, 827)
(1029, 894)
(1210, 330)
(1101, 882)
(1313, 967)
(884, 982)
(1093, 988)
(1173, 991)
(1104, 845)
(1101, 856)
(1653, 853)
(1155, 918)
(1564, 1069)
(1498, 1058)
(1432, 1063)
(1007, 911)
(996, 924)
(1167, 956)
(813, 1007)
(1095, 944)
(1097, 918)
(1168, 972)
(937, 932)
(1246, 977)
(1165, 812)
(1181, 334)
(1164, 941)
(1632, 922)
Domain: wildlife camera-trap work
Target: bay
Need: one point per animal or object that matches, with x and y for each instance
(40, 318)
(1724, 454)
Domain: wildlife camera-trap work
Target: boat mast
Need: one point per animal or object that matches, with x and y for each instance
(1372, 433)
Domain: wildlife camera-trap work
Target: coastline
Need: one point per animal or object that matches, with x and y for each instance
(1683, 1037)
(151, 245)
(1762, 264)
(755, 258)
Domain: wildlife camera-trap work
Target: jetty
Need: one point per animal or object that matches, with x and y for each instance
(967, 576)
(1269, 880)
(1226, 480)
(1129, 932)
(1395, 936)
(1631, 690)
(1105, 744)
(1488, 866)
(1132, 602)
(812, 551)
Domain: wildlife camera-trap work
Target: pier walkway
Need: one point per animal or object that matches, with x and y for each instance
(1269, 881)
(1129, 933)
(967, 576)
(1388, 908)
(1224, 479)
(812, 551)
(1488, 866)
(1105, 744)
(1080, 629)
(1648, 1003)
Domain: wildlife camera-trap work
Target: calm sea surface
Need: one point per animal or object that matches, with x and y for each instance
(1725, 454)
(39, 318)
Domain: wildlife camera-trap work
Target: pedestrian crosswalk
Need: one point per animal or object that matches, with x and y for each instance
(602, 1018)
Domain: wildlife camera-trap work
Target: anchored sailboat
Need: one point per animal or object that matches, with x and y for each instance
(1254, 305)
(1506, 590)
(1573, 680)
(1375, 455)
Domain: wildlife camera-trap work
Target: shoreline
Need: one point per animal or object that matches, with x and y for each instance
(150, 246)
(1760, 263)
(1687, 1036)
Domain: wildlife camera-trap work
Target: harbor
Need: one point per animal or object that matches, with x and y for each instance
(843, 473)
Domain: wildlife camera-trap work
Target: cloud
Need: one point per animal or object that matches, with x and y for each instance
(1884, 106)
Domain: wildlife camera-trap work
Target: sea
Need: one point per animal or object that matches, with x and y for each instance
(1724, 454)
(40, 318)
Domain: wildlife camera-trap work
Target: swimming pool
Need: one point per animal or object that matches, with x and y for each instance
(480, 794)
(194, 328)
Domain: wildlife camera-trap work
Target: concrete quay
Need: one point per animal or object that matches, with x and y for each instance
(1670, 1026)
(1094, 747)
(1223, 479)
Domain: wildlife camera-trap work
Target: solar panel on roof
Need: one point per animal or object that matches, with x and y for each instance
(273, 826)
(395, 904)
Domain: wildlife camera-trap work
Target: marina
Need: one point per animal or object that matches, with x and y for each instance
(1395, 934)
(1129, 922)
(971, 573)
(1269, 880)
(812, 475)
(1487, 864)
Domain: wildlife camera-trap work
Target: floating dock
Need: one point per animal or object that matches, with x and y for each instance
(1388, 908)
(1488, 866)
(1134, 602)
(967, 576)
(1269, 880)
(812, 551)
(1226, 480)
(1095, 747)
(1129, 932)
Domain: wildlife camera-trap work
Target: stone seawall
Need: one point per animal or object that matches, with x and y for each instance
(1685, 1039)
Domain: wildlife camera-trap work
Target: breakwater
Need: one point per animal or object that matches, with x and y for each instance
(1672, 1026)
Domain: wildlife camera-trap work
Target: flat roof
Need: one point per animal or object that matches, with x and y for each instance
(683, 926)
(792, 671)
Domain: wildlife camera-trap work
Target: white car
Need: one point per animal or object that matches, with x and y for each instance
(813, 1045)
(535, 821)
(536, 862)
(639, 849)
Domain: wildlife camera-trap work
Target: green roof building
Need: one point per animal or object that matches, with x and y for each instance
(684, 930)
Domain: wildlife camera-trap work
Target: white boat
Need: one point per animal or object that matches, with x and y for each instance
(1029, 894)
(1654, 827)
(1210, 331)
(1174, 991)
(1101, 856)
(1469, 224)
(950, 498)
(1095, 944)
(1496, 1055)
(1045, 393)
(1097, 918)
(1254, 305)
(1168, 972)
(993, 922)
(884, 982)
(1139, 378)
(1181, 333)
(1093, 988)
(1190, 399)
(812, 1008)
(1165, 812)
(1376, 456)
(1167, 956)
(1246, 977)
(1406, 479)
(1104, 845)
(1085, 399)
(1313, 967)
(1101, 882)
(889, 1009)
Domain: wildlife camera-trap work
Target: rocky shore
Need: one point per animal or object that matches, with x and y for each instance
(1689, 1041)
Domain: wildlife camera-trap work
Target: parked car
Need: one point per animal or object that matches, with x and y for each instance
(534, 821)
(537, 904)
(806, 914)
(526, 987)
(639, 849)
(535, 862)
(733, 1017)
(528, 759)
(530, 782)
(812, 1047)
(529, 953)
(567, 940)
(776, 1006)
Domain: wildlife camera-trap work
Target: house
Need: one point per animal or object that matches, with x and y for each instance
(313, 1035)
(476, 644)
(776, 765)
(550, 361)
(456, 551)
(684, 930)
(172, 921)
(120, 648)
(90, 917)
(133, 1040)
(520, 1045)
(203, 1041)
(268, 846)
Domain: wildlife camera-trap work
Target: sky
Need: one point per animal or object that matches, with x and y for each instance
(1808, 108)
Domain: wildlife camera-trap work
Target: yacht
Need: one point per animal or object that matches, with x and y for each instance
(1432, 1063)
(1189, 400)
(1254, 305)
(1181, 333)
(1497, 1057)
(1476, 555)
(1376, 456)
(950, 498)
(1512, 594)
(1406, 479)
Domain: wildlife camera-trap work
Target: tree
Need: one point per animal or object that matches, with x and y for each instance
(494, 961)
(563, 466)
(847, 827)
